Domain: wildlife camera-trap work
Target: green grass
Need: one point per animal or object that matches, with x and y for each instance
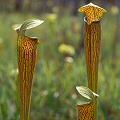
(54, 95)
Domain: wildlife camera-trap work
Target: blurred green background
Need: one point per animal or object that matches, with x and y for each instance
(61, 59)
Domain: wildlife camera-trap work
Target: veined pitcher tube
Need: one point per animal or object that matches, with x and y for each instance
(27, 59)
(27, 54)
(92, 39)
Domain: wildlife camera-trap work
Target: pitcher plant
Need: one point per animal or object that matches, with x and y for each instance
(27, 59)
(92, 39)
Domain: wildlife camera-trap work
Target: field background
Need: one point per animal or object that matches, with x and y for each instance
(54, 95)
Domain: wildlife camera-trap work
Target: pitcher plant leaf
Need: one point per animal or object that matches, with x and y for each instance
(86, 92)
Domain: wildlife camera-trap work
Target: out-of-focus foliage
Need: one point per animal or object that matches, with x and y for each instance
(54, 95)
(67, 50)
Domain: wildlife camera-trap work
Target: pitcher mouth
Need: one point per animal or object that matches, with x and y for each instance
(85, 20)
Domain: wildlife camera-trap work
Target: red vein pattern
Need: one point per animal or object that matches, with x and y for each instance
(92, 39)
(27, 54)
(86, 111)
(92, 36)
(93, 12)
